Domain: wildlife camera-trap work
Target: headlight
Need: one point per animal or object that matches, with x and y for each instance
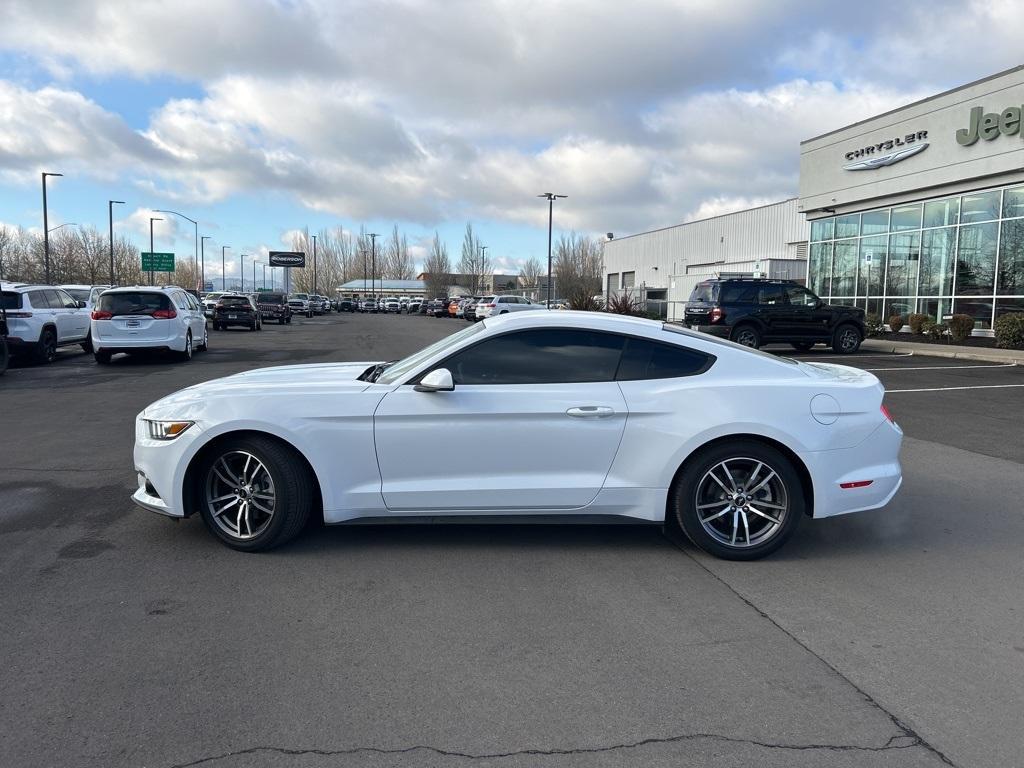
(167, 430)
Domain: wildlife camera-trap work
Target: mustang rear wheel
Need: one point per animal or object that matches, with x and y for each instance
(739, 501)
(254, 493)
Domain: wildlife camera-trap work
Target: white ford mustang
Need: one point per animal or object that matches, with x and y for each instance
(584, 415)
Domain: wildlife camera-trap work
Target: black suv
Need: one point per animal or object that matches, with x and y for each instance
(755, 311)
(274, 306)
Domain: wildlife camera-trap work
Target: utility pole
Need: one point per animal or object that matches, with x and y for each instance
(46, 228)
(110, 218)
(314, 265)
(223, 271)
(483, 269)
(151, 220)
(202, 258)
(373, 263)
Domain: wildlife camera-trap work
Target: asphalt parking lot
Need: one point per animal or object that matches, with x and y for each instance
(889, 638)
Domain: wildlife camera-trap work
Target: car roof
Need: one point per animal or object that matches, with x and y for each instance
(138, 288)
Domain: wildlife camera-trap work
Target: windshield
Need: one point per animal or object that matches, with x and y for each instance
(395, 372)
(79, 294)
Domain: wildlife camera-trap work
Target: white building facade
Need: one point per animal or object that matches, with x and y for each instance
(665, 264)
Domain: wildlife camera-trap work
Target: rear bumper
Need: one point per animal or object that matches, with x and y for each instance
(721, 331)
(875, 460)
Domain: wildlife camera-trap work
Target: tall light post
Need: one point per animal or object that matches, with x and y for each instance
(46, 231)
(223, 271)
(363, 251)
(314, 265)
(373, 263)
(195, 253)
(202, 258)
(265, 275)
(110, 219)
(483, 265)
(151, 220)
(254, 275)
(550, 196)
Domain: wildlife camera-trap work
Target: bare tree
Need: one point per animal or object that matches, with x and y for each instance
(530, 272)
(397, 262)
(6, 248)
(437, 269)
(577, 269)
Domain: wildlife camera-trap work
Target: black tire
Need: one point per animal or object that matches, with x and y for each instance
(280, 321)
(206, 340)
(46, 349)
(746, 335)
(683, 499)
(187, 354)
(801, 346)
(102, 356)
(846, 340)
(87, 344)
(292, 483)
(252, 326)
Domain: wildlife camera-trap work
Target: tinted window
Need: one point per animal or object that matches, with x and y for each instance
(10, 300)
(772, 294)
(234, 301)
(38, 300)
(133, 303)
(78, 294)
(555, 356)
(271, 298)
(706, 292)
(54, 299)
(801, 296)
(646, 359)
(739, 293)
(180, 300)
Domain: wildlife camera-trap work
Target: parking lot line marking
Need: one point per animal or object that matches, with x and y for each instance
(942, 389)
(944, 367)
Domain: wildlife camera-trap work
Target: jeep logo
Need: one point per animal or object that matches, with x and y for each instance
(989, 125)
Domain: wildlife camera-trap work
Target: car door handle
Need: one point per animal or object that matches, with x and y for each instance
(590, 412)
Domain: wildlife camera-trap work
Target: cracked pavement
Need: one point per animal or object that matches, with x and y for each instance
(886, 639)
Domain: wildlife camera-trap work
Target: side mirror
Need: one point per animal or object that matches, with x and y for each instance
(438, 380)
(81, 305)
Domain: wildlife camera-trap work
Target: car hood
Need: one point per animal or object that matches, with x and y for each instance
(286, 380)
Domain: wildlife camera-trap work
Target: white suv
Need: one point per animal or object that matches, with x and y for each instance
(86, 293)
(41, 318)
(143, 318)
(489, 306)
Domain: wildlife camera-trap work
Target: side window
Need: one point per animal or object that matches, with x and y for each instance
(53, 300)
(739, 293)
(179, 300)
(800, 296)
(772, 294)
(646, 359)
(66, 300)
(548, 356)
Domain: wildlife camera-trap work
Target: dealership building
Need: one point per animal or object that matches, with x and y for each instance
(920, 209)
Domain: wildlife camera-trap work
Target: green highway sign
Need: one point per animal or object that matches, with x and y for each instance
(157, 262)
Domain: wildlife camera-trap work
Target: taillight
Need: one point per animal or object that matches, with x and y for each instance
(165, 314)
(101, 314)
(18, 314)
(490, 306)
(888, 416)
(717, 314)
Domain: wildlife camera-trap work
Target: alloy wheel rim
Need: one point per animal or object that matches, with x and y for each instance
(849, 339)
(240, 495)
(745, 338)
(741, 502)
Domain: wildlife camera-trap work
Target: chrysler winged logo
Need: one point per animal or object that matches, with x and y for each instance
(880, 161)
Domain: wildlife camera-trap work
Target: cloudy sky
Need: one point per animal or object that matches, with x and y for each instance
(257, 117)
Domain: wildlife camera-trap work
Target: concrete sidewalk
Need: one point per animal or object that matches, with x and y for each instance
(946, 350)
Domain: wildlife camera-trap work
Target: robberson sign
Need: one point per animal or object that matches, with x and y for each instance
(287, 259)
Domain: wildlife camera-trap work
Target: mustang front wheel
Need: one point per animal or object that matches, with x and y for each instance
(739, 501)
(254, 493)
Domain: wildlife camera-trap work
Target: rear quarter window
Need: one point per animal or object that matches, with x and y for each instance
(738, 293)
(10, 300)
(644, 359)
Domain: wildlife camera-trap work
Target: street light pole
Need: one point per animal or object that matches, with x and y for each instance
(195, 253)
(110, 218)
(314, 265)
(202, 259)
(265, 276)
(46, 231)
(550, 196)
(223, 271)
(151, 220)
(483, 265)
(373, 263)
(241, 270)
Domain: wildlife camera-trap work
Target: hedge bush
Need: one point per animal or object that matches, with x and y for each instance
(960, 327)
(916, 321)
(873, 325)
(934, 330)
(895, 323)
(1010, 331)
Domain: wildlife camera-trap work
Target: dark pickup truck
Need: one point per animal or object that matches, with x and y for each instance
(757, 311)
(274, 306)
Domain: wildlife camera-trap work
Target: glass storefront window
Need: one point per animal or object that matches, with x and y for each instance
(976, 259)
(822, 229)
(1005, 306)
(1010, 280)
(1013, 203)
(820, 268)
(937, 246)
(903, 307)
(979, 308)
(981, 206)
(906, 217)
(848, 226)
(872, 265)
(904, 259)
(874, 222)
(844, 268)
(942, 213)
(935, 308)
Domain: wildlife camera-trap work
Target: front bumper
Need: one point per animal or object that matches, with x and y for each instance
(160, 467)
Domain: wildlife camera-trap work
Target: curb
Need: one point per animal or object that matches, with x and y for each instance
(951, 352)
